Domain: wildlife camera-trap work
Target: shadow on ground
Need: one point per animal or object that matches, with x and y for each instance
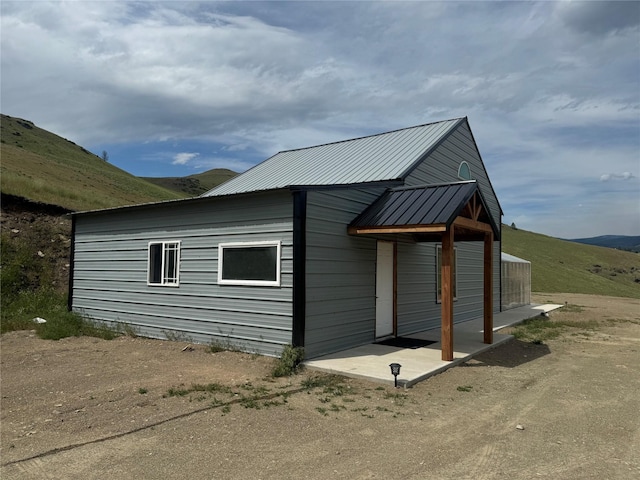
(511, 354)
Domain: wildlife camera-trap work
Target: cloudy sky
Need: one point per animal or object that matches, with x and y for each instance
(551, 90)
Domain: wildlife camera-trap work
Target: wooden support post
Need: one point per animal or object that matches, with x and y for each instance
(488, 288)
(446, 295)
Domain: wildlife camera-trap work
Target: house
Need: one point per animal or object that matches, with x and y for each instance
(326, 247)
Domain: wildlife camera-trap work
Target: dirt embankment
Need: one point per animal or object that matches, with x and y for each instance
(44, 231)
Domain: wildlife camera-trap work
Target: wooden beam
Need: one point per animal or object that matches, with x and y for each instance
(473, 224)
(477, 207)
(488, 288)
(398, 229)
(446, 295)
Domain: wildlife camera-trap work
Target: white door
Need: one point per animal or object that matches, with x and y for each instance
(384, 289)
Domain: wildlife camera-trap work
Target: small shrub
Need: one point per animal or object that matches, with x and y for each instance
(142, 390)
(465, 388)
(289, 362)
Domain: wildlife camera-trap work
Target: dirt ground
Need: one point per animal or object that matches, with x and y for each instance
(139, 408)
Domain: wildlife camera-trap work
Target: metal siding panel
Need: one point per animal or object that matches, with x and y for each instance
(340, 273)
(417, 306)
(110, 274)
(442, 167)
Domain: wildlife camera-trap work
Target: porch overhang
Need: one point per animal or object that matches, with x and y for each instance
(438, 213)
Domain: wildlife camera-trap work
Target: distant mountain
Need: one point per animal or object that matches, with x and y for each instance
(194, 185)
(621, 242)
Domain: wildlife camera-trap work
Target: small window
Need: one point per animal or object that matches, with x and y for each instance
(250, 263)
(164, 262)
(464, 172)
(439, 273)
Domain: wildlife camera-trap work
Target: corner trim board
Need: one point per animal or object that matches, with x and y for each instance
(299, 267)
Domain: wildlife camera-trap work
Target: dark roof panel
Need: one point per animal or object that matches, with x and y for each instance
(425, 205)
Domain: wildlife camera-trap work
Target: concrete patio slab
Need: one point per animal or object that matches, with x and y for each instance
(371, 362)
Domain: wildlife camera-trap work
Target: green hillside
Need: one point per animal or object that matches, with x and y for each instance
(43, 167)
(194, 185)
(567, 267)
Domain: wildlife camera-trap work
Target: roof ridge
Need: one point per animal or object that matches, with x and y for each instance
(368, 136)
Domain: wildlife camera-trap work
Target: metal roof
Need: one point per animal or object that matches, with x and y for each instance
(419, 206)
(505, 257)
(382, 157)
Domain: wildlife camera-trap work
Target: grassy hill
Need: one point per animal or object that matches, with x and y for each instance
(567, 267)
(43, 167)
(194, 185)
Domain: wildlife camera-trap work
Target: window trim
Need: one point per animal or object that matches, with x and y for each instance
(464, 162)
(439, 273)
(252, 283)
(163, 274)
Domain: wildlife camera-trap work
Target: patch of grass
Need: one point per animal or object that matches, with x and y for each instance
(175, 336)
(322, 411)
(464, 388)
(572, 308)
(398, 398)
(539, 329)
(323, 381)
(289, 362)
(126, 329)
(142, 390)
(250, 402)
(60, 323)
(217, 346)
(560, 266)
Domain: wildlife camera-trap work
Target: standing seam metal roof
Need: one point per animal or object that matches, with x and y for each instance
(422, 205)
(381, 157)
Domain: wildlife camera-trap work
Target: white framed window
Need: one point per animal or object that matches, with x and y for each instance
(163, 267)
(464, 171)
(439, 273)
(249, 263)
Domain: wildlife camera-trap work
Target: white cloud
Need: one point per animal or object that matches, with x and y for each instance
(183, 158)
(616, 176)
(550, 88)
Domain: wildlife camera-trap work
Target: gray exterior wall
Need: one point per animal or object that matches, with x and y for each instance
(442, 167)
(110, 271)
(418, 308)
(340, 272)
(340, 275)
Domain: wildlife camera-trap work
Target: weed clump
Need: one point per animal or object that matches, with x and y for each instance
(290, 361)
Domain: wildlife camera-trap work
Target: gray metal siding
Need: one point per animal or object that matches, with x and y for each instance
(417, 306)
(110, 271)
(340, 280)
(442, 167)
